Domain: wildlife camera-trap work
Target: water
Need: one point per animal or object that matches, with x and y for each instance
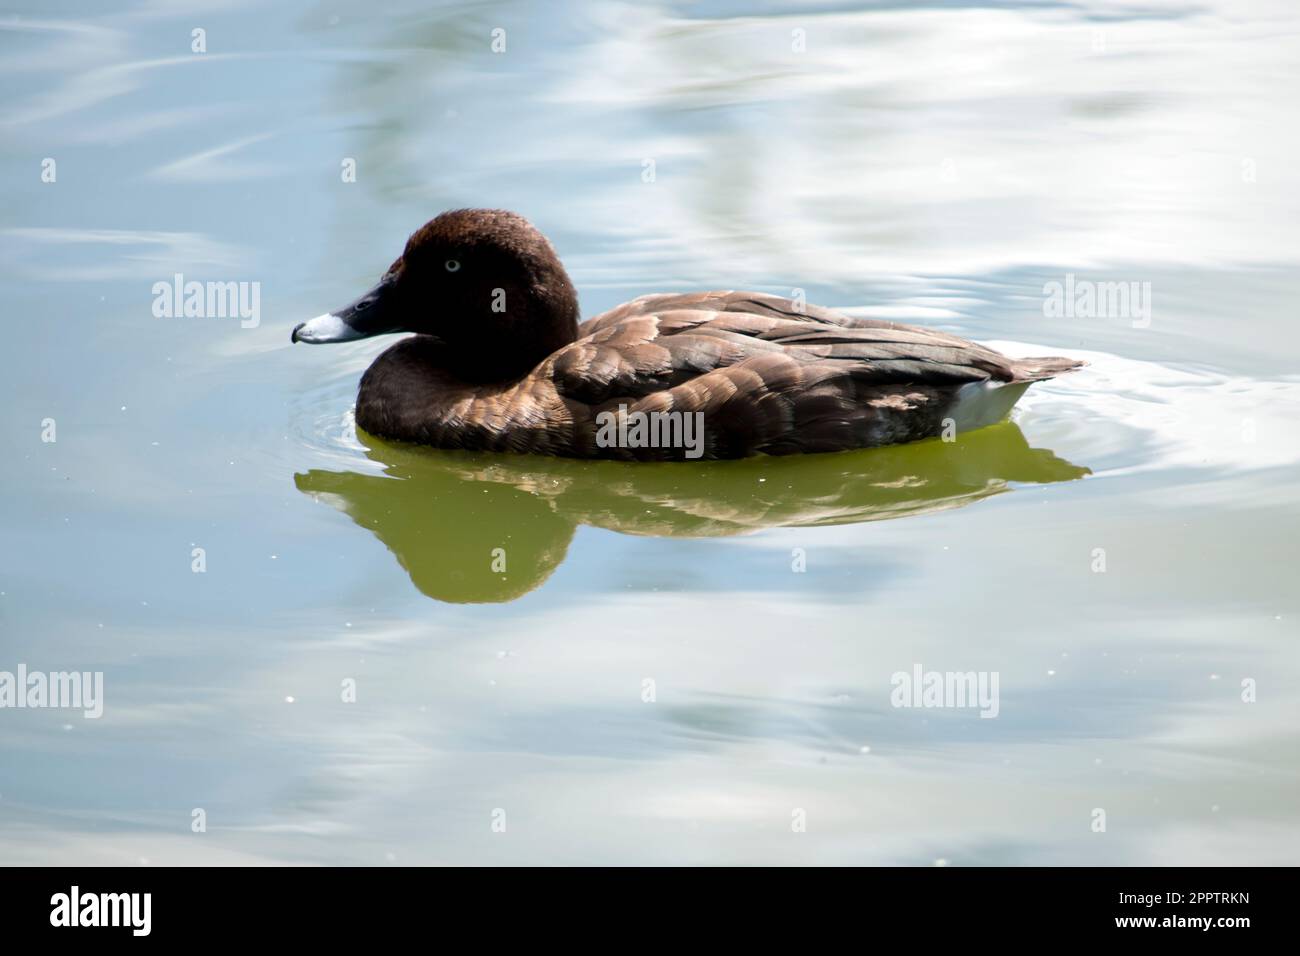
(938, 164)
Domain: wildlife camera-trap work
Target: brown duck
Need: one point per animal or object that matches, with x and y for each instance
(500, 362)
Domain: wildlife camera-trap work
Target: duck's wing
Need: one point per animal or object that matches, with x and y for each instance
(659, 342)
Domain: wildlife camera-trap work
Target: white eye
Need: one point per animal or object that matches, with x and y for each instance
(452, 265)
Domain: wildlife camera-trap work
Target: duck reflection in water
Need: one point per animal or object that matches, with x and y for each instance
(443, 513)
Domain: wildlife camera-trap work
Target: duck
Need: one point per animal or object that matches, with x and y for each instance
(496, 358)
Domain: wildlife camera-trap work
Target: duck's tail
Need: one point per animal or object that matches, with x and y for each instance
(1038, 369)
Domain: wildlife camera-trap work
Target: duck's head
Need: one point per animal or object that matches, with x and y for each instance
(486, 283)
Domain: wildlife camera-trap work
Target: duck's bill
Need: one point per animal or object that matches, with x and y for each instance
(372, 314)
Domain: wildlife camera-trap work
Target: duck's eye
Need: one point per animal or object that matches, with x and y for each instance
(452, 265)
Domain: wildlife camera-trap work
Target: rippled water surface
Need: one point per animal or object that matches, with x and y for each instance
(652, 679)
